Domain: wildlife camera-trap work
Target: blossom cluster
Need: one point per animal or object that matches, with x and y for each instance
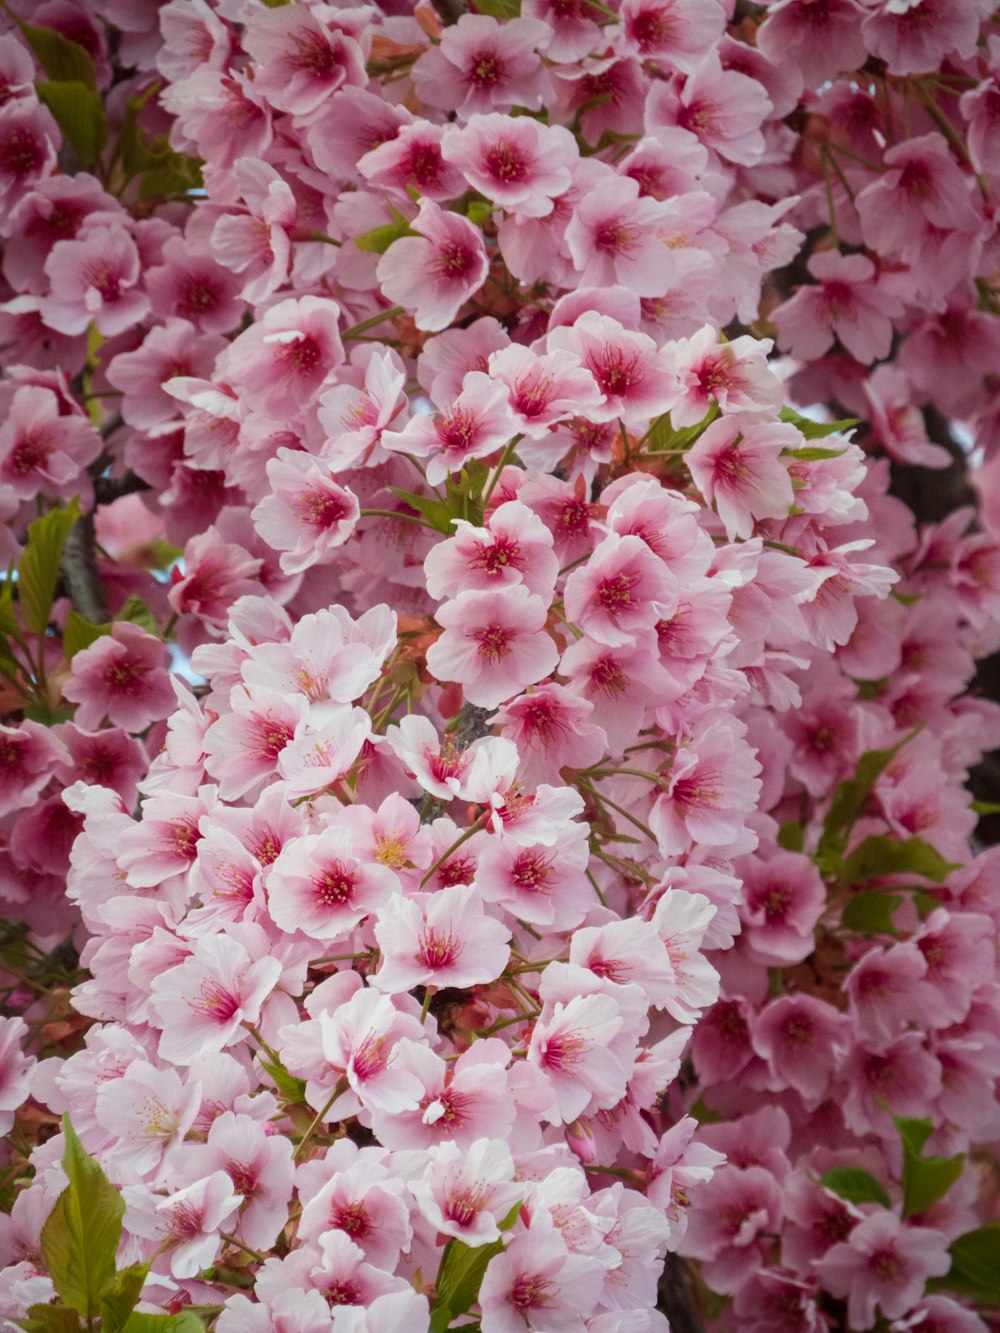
(506, 797)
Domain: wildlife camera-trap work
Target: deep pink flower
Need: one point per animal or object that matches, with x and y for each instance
(638, 380)
(121, 676)
(721, 107)
(883, 1266)
(43, 450)
(95, 278)
(622, 590)
(518, 164)
(306, 515)
(281, 361)
(299, 61)
(849, 300)
(736, 464)
(483, 65)
(801, 1036)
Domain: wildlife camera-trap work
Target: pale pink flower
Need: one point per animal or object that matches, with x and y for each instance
(203, 1002)
(434, 761)
(306, 515)
(169, 350)
(735, 375)
(573, 1045)
(360, 1041)
(621, 684)
(165, 841)
(721, 107)
(849, 300)
(627, 952)
(519, 164)
(185, 1224)
(147, 1111)
(494, 644)
(439, 939)
(121, 676)
(712, 788)
(679, 1165)
(615, 238)
(737, 465)
(319, 887)
(243, 747)
(922, 186)
(884, 1265)
(95, 279)
(216, 573)
(447, 358)
(543, 389)
(258, 1163)
(514, 547)
(43, 450)
(322, 659)
(464, 1192)
(434, 273)
(897, 422)
(299, 61)
(315, 759)
(257, 241)
(282, 359)
(363, 1200)
(544, 884)
(482, 65)
(353, 419)
(681, 919)
(475, 425)
(537, 1284)
(638, 380)
(552, 730)
(573, 31)
(222, 113)
(15, 1069)
(678, 33)
(622, 590)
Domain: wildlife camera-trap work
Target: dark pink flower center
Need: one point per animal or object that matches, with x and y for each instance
(531, 872)
(336, 884)
(617, 593)
(494, 642)
(505, 162)
(320, 508)
(492, 559)
(20, 153)
(437, 948)
(352, 1218)
(215, 1001)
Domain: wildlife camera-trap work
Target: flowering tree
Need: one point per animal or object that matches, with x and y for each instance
(484, 742)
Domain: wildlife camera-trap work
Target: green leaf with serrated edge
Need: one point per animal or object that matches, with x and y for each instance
(811, 454)
(80, 1236)
(136, 612)
(816, 430)
(871, 913)
(120, 1296)
(925, 1179)
(791, 836)
(50, 1319)
(854, 1185)
(975, 1258)
(291, 1088)
(80, 633)
(499, 9)
(878, 856)
(438, 513)
(185, 1322)
(462, 1267)
(662, 437)
(378, 240)
(79, 113)
(850, 796)
(39, 565)
(60, 58)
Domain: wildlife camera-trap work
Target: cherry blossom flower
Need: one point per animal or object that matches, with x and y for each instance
(307, 515)
(441, 939)
(518, 164)
(95, 278)
(494, 643)
(299, 61)
(465, 1192)
(186, 1223)
(435, 272)
(41, 448)
(317, 886)
(482, 66)
(121, 676)
(883, 1265)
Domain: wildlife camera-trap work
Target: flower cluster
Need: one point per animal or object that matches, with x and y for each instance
(501, 770)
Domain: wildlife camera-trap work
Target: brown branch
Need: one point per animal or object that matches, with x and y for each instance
(80, 572)
(473, 723)
(676, 1297)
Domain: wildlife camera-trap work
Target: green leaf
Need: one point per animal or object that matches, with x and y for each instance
(816, 430)
(80, 633)
(47, 717)
(8, 618)
(854, 1185)
(878, 856)
(39, 565)
(480, 211)
(171, 174)
(986, 807)
(499, 9)
(461, 1274)
(871, 913)
(378, 240)
(437, 512)
(79, 113)
(120, 1295)
(663, 438)
(850, 796)
(811, 454)
(136, 612)
(791, 836)
(925, 1179)
(975, 1259)
(50, 1319)
(185, 1322)
(291, 1088)
(80, 1236)
(61, 59)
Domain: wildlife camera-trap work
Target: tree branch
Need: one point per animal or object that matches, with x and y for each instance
(676, 1297)
(79, 568)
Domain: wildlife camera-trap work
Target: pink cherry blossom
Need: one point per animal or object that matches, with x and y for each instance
(121, 676)
(435, 272)
(494, 643)
(441, 939)
(883, 1265)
